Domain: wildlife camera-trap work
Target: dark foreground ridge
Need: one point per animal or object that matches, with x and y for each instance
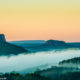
(8, 48)
(54, 73)
(74, 62)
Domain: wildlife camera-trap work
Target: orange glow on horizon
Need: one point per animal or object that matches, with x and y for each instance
(40, 22)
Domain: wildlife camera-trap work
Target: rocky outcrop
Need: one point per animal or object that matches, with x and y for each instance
(8, 48)
(2, 38)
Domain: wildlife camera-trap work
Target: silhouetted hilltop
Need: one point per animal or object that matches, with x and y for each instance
(56, 43)
(2, 38)
(7, 48)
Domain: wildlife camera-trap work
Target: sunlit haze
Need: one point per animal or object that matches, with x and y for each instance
(40, 19)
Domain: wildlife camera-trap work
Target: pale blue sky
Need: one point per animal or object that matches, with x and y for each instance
(40, 1)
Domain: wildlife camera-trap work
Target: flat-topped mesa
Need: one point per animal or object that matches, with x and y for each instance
(2, 38)
(56, 43)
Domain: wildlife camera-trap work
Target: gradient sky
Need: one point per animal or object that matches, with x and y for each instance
(40, 19)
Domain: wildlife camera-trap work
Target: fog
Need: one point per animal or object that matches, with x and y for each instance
(24, 61)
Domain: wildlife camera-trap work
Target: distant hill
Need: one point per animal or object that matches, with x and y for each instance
(29, 43)
(7, 48)
(56, 43)
(42, 45)
(75, 44)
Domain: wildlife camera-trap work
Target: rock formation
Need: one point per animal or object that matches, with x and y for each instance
(8, 48)
(2, 38)
(56, 43)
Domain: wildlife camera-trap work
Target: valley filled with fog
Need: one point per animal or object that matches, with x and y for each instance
(36, 60)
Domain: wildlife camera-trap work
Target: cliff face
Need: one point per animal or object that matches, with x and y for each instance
(7, 48)
(2, 38)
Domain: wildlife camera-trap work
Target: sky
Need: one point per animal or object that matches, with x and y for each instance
(40, 19)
